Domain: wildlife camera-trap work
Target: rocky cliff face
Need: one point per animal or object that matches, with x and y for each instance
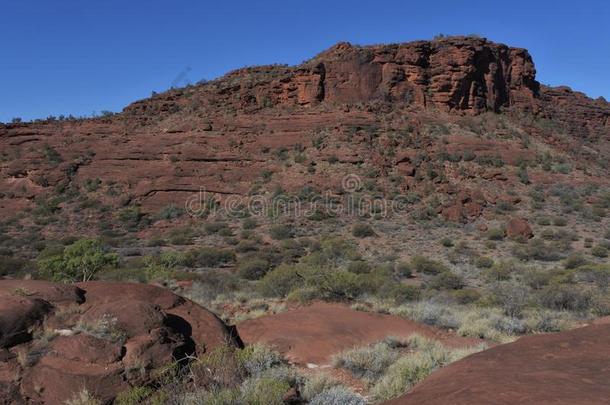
(456, 73)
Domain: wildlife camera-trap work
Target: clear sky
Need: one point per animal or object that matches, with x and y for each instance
(83, 56)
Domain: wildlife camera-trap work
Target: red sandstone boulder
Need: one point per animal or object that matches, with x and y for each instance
(517, 228)
(103, 337)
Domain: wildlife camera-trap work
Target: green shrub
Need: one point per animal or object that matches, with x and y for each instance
(483, 262)
(368, 362)
(500, 271)
(544, 221)
(446, 280)
(359, 267)
(252, 268)
(401, 293)
(80, 261)
(332, 252)
(317, 384)
(337, 396)
(496, 234)
(133, 396)
(257, 358)
(537, 249)
(560, 221)
(575, 260)
(447, 242)
(213, 257)
(214, 227)
(403, 269)
(427, 266)
(466, 296)
(170, 212)
(281, 280)
(565, 297)
(264, 391)
(131, 217)
(281, 232)
(92, 185)
(362, 231)
(410, 369)
(600, 251)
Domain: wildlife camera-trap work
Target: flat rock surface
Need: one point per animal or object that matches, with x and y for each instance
(565, 368)
(313, 334)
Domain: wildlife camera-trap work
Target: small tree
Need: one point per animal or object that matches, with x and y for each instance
(82, 260)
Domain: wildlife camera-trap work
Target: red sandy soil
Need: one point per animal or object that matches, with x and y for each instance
(565, 368)
(313, 334)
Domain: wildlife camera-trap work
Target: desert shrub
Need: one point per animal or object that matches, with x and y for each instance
(252, 268)
(575, 260)
(403, 269)
(213, 257)
(337, 284)
(317, 384)
(249, 223)
(544, 221)
(595, 273)
(600, 251)
(362, 231)
(560, 221)
(181, 236)
(536, 278)
(80, 261)
(281, 232)
(446, 280)
(537, 249)
(430, 313)
(264, 390)
(133, 396)
(565, 297)
(257, 358)
(246, 246)
(483, 262)
(214, 227)
(496, 234)
(105, 328)
(500, 271)
(10, 265)
(427, 266)
(504, 206)
(83, 397)
(368, 362)
(92, 185)
(281, 280)
(359, 267)
(170, 212)
(490, 160)
(410, 369)
(337, 396)
(401, 293)
(332, 252)
(466, 296)
(447, 242)
(511, 296)
(131, 217)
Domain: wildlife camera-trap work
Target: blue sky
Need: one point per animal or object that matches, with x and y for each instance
(79, 57)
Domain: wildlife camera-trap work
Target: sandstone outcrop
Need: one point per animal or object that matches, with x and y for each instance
(103, 337)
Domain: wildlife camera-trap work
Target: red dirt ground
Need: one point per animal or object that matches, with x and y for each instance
(313, 334)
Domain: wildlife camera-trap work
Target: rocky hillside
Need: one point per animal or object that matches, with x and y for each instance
(380, 107)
